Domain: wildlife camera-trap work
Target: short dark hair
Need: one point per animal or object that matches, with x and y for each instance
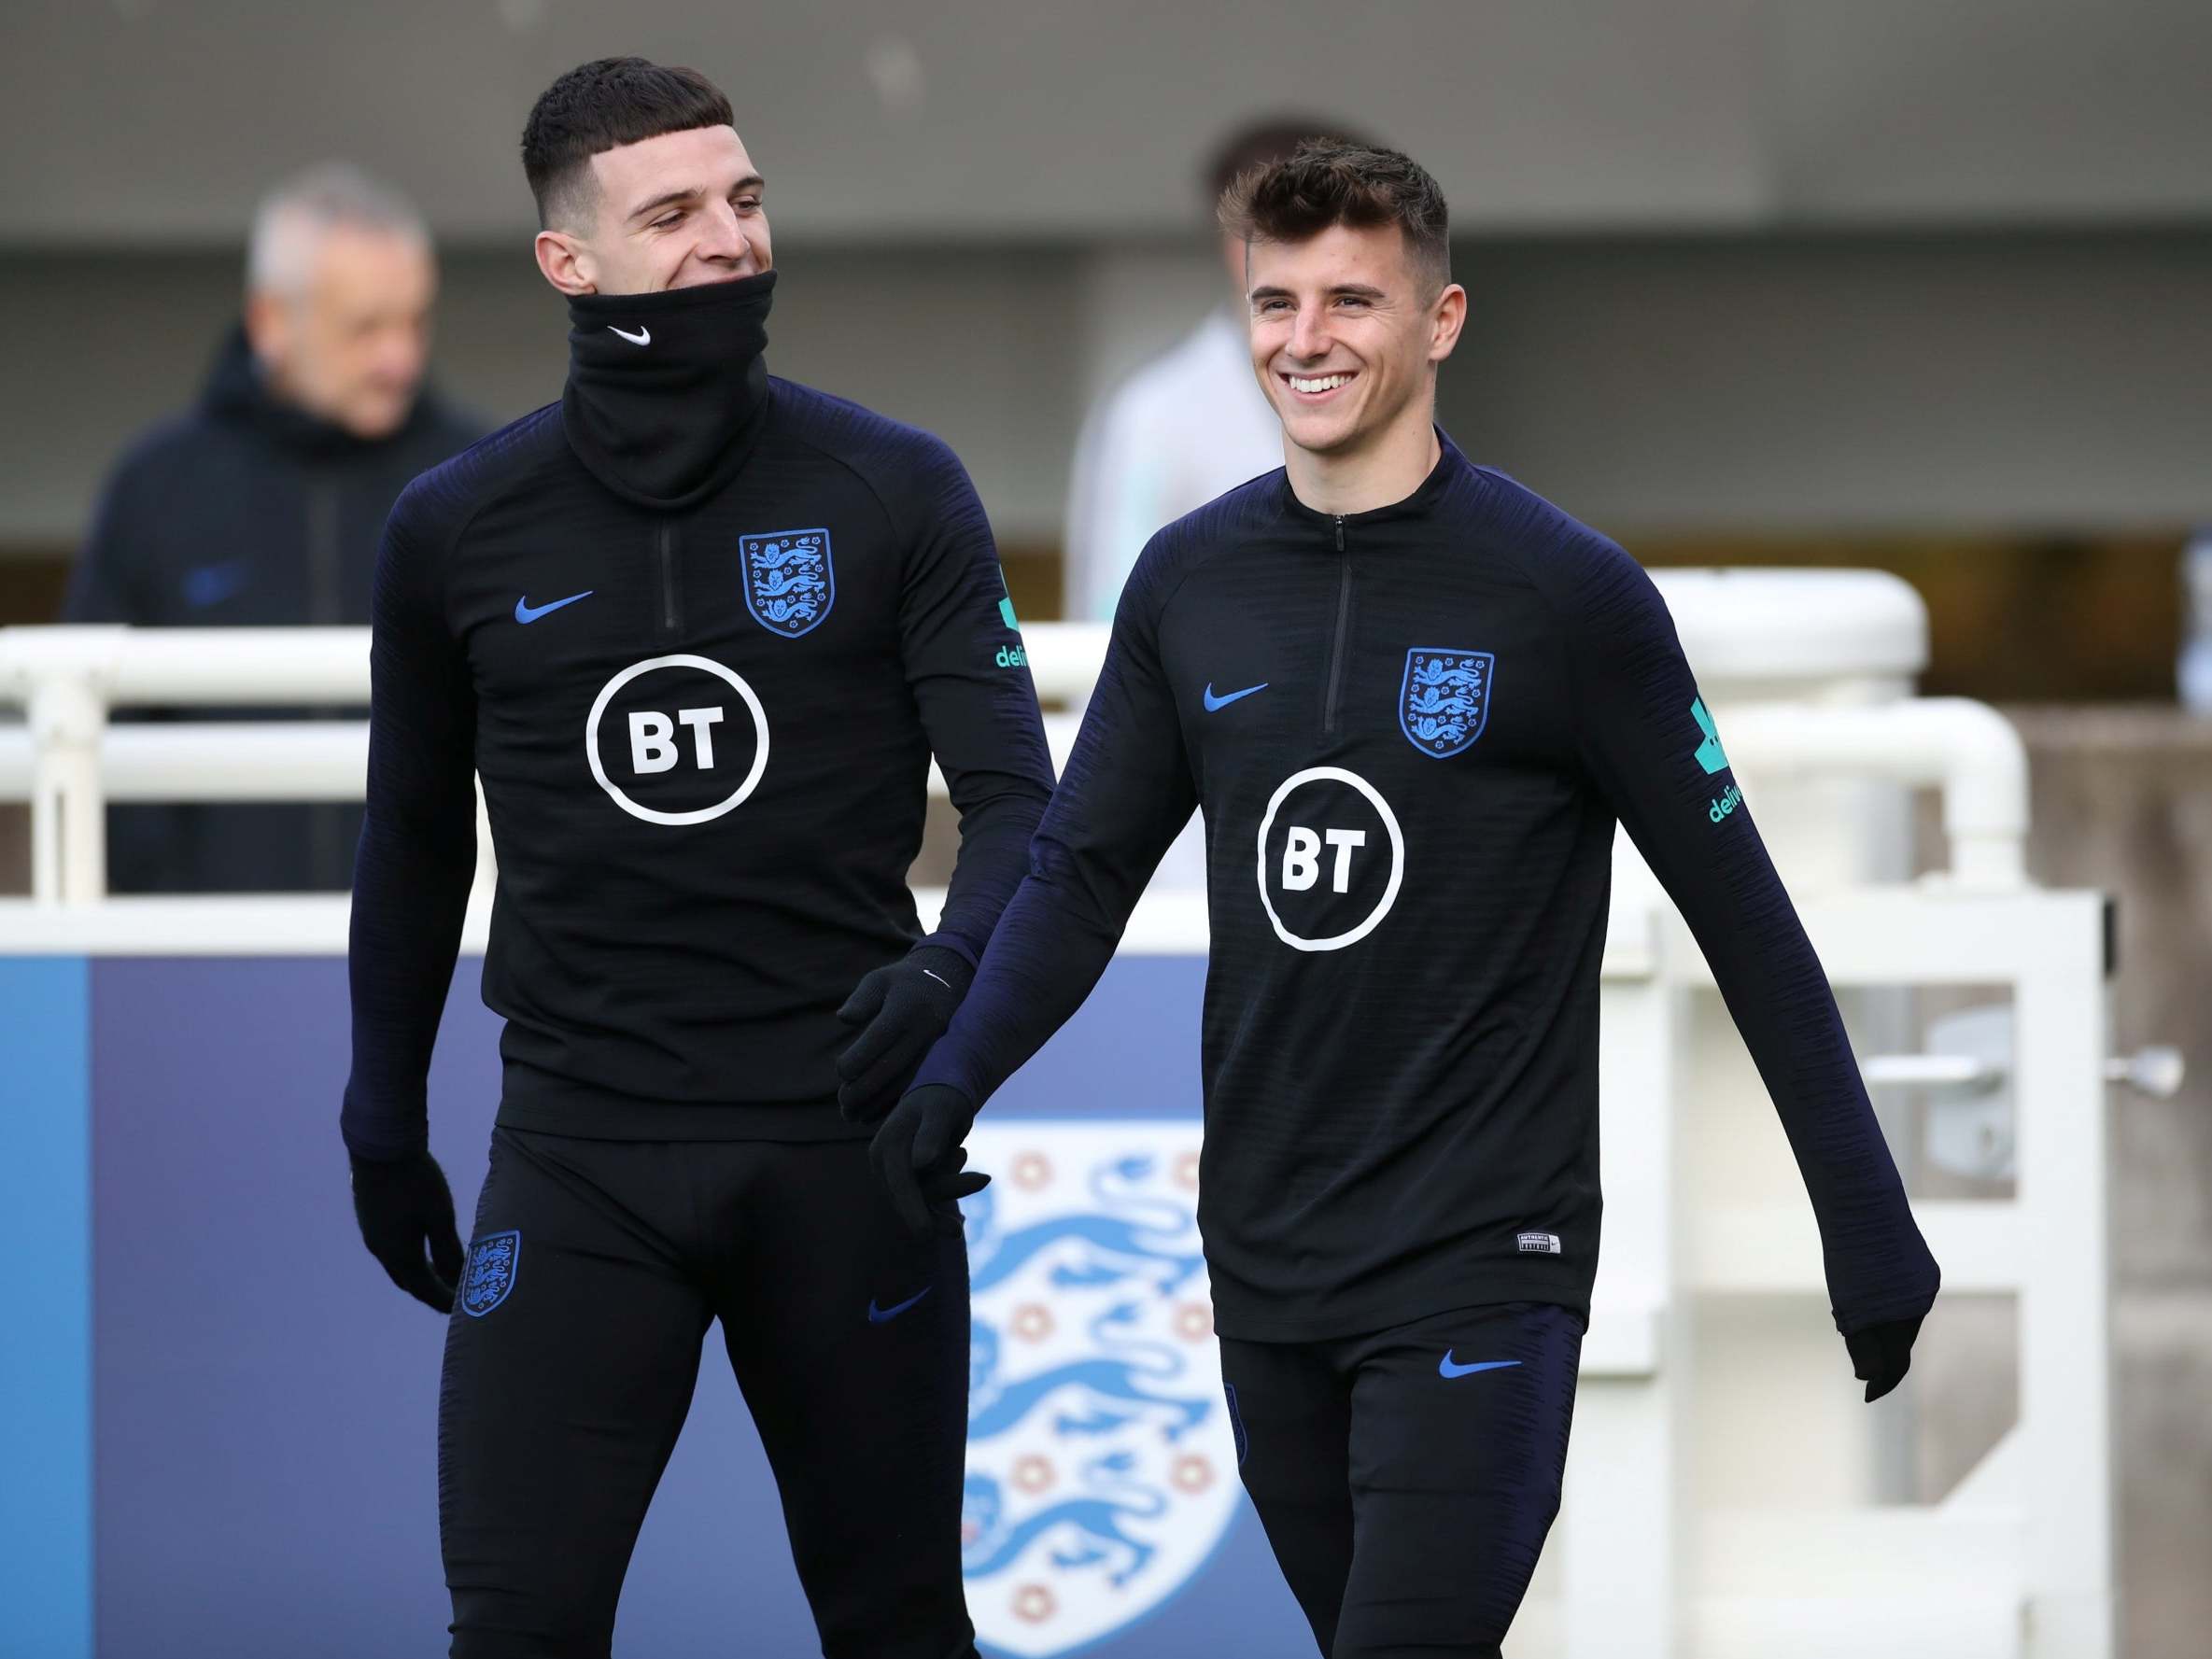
(601, 105)
(1326, 182)
(1262, 143)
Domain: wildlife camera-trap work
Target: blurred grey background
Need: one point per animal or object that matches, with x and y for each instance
(1926, 286)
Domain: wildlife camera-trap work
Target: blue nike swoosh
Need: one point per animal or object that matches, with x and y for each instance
(526, 611)
(1213, 702)
(211, 584)
(877, 1315)
(1444, 1367)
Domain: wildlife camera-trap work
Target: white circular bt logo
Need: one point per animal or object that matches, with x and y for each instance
(661, 740)
(1327, 858)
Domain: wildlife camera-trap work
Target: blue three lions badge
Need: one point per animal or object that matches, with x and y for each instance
(1444, 700)
(492, 1261)
(790, 581)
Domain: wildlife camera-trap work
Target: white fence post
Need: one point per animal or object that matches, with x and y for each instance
(68, 717)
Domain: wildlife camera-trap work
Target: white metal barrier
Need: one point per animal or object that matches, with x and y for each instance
(2015, 1564)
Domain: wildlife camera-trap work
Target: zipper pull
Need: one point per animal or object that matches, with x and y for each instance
(1340, 532)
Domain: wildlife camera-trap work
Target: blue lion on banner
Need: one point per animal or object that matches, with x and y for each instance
(1097, 1394)
(1091, 1526)
(1135, 1245)
(1444, 702)
(790, 579)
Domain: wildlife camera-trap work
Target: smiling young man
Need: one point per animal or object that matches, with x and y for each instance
(1414, 701)
(699, 632)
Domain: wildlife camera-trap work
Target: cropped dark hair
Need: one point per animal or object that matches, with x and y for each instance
(1329, 182)
(1262, 143)
(601, 105)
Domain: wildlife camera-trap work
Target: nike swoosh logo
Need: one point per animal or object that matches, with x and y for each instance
(211, 584)
(1445, 1367)
(1213, 702)
(878, 1316)
(939, 977)
(526, 611)
(642, 337)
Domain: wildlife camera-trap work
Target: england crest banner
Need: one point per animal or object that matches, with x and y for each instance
(1100, 1463)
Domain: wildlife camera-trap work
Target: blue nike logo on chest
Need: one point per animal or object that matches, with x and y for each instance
(1213, 702)
(525, 612)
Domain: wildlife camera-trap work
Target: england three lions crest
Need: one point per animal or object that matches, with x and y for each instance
(1100, 1463)
(791, 581)
(1444, 700)
(493, 1261)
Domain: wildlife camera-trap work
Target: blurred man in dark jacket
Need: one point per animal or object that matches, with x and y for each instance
(263, 505)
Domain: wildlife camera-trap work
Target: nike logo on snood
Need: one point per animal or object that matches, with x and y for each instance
(642, 337)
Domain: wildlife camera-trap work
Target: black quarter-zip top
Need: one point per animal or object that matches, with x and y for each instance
(699, 632)
(1344, 619)
(1408, 909)
(671, 598)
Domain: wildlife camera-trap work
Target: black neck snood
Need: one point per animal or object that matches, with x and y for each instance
(666, 393)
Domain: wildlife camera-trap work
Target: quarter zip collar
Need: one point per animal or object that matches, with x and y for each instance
(1449, 464)
(668, 392)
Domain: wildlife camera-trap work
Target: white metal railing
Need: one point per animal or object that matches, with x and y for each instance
(2016, 1562)
(68, 762)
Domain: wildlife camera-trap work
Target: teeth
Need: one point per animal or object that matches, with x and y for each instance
(1327, 382)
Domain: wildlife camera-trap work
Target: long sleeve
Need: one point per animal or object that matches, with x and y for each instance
(1126, 793)
(1654, 753)
(969, 676)
(418, 852)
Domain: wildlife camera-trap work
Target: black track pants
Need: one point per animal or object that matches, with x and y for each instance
(1407, 1477)
(594, 1273)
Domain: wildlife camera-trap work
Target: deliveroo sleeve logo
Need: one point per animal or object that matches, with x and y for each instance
(1711, 755)
(1714, 758)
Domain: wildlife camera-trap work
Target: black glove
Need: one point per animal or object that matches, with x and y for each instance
(404, 1207)
(917, 1156)
(1880, 1355)
(902, 1009)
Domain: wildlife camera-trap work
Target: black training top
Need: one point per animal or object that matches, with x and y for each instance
(699, 632)
(1412, 731)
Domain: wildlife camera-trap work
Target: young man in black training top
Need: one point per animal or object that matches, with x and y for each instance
(1414, 700)
(699, 632)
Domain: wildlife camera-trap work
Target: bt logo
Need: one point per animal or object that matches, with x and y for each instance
(1337, 851)
(696, 763)
(1301, 864)
(651, 749)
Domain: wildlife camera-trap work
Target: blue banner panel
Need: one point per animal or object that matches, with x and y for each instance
(266, 1412)
(46, 1311)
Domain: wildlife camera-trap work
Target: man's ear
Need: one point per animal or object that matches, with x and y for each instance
(566, 262)
(268, 326)
(1448, 316)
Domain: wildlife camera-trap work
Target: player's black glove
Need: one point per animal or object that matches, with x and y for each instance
(1880, 1355)
(901, 1010)
(917, 1156)
(405, 1209)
